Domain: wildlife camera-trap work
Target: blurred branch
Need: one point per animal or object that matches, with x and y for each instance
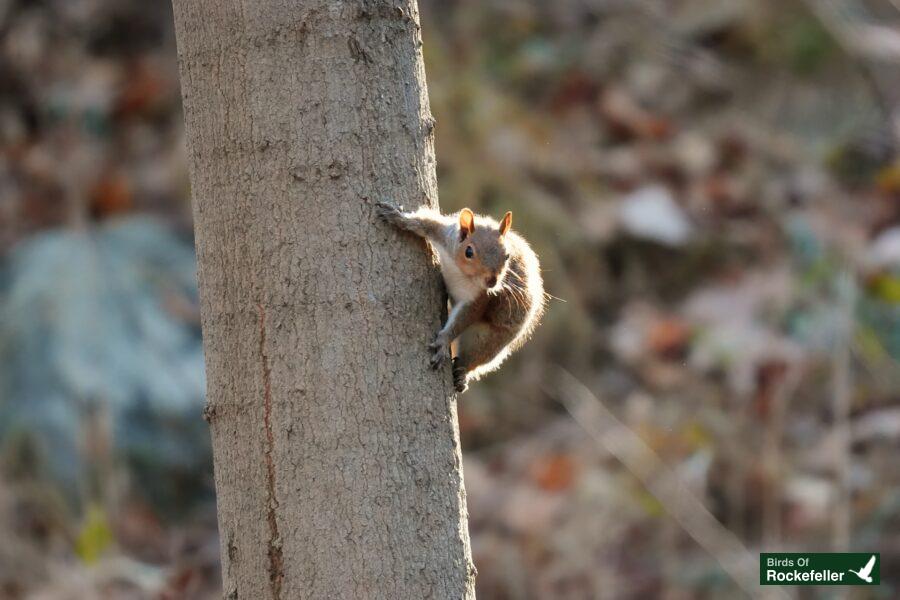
(868, 42)
(687, 510)
(851, 29)
(773, 456)
(841, 401)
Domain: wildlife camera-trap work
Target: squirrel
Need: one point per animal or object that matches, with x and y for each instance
(494, 281)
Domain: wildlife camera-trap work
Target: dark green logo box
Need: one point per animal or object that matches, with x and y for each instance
(820, 568)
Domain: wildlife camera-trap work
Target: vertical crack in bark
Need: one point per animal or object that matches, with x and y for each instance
(276, 562)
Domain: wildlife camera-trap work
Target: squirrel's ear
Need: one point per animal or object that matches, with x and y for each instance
(466, 223)
(506, 223)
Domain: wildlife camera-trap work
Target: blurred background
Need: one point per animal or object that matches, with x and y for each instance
(713, 187)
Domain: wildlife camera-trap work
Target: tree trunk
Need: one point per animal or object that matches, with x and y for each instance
(336, 449)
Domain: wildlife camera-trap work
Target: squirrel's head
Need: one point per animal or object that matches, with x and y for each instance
(481, 254)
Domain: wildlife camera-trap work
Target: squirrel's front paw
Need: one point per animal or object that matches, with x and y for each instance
(440, 352)
(387, 211)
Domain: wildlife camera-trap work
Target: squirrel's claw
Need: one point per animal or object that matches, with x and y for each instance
(440, 350)
(441, 353)
(387, 211)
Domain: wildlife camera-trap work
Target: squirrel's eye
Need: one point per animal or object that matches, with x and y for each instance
(470, 252)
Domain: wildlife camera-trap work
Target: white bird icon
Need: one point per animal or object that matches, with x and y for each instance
(865, 572)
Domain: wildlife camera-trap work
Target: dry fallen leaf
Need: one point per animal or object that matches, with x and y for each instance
(554, 473)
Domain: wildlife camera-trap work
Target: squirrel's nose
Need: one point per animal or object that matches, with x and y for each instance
(492, 281)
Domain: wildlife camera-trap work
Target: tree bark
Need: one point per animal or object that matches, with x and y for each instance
(337, 460)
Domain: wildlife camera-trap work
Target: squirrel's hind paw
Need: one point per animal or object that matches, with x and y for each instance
(460, 379)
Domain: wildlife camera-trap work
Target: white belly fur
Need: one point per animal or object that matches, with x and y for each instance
(460, 287)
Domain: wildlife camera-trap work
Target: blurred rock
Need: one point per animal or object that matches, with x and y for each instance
(884, 252)
(86, 333)
(651, 213)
